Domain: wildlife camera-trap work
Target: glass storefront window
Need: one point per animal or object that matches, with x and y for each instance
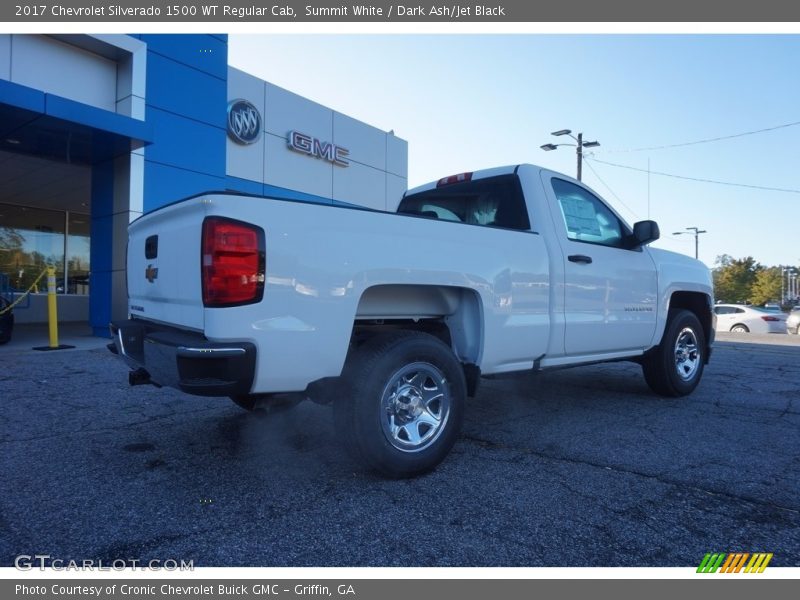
(78, 242)
(32, 238)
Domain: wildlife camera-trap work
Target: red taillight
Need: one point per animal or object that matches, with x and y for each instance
(233, 262)
(770, 318)
(454, 179)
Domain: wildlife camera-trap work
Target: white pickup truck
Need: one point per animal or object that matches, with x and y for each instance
(394, 317)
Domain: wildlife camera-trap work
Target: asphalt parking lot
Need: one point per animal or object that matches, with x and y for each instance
(581, 467)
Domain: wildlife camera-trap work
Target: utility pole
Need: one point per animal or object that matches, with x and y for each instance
(783, 294)
(696, 232)
(578, 147)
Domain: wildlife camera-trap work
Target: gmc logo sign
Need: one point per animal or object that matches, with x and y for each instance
(305, 144)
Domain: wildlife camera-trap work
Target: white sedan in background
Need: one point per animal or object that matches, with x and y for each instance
(739, 318)
(793, 321)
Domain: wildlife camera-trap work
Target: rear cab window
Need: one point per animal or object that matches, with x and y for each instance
(491, 202)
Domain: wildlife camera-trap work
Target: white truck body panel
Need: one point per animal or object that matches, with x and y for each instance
(610, 304)
(321, 260)
(512, 299)
(677, 273)
(173, 296)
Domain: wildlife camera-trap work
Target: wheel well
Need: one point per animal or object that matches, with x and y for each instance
(449, 313)
(363, 330)
(700, 305)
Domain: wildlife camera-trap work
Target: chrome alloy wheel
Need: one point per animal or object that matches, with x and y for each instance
(687, 354)
(415, 405)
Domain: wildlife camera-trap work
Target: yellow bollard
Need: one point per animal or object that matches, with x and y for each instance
(52, 313)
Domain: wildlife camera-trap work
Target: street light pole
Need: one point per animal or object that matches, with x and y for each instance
(579, 146)
(783, 295)
(696, 233)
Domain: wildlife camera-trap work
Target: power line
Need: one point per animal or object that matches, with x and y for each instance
(705, 141)
(700, 179)
(677, 240)
(613, 193)
(596, 174)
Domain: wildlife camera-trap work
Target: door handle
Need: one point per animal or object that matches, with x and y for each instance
(580, 258)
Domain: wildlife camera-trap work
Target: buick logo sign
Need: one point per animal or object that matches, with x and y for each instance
(244, 122)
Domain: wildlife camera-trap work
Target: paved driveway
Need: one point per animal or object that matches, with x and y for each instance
(580, 467)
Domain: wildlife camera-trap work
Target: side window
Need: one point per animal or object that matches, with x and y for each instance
(586, 217)
(724, 310)
(739, 311)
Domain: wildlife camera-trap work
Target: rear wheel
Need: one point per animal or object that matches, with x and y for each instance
(675, 367)
(739, 328)
(403, 403)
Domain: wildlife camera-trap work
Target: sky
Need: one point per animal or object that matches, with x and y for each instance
(468, 102)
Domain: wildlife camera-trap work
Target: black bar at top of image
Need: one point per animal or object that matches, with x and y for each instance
(244, 11)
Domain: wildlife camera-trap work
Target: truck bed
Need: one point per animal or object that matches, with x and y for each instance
(328, 266)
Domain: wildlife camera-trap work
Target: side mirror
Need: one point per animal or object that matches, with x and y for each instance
(644, 232)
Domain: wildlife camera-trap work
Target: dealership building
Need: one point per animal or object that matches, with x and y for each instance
(100, 129)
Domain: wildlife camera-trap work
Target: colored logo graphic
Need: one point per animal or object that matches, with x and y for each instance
(734, 562)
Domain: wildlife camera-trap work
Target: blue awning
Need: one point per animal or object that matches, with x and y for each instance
(50, 126)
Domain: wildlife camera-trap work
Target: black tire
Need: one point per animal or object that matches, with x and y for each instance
(675, 367)
(740, 328)
(402, 404)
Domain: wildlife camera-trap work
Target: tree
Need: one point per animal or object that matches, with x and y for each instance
(723, 260)
(767, 286)
(11, 242)
(10, 239)
(734, 278)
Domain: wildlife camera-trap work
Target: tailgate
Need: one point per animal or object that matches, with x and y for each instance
(164, 272)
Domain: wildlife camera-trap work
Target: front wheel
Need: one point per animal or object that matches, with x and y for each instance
(403, 403)
(675, 367)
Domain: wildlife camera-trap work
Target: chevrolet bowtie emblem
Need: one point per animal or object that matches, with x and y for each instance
(151, 273)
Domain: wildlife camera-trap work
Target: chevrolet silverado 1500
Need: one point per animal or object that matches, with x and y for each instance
(394, 317)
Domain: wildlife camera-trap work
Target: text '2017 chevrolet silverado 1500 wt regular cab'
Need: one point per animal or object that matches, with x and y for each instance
(394, 317)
